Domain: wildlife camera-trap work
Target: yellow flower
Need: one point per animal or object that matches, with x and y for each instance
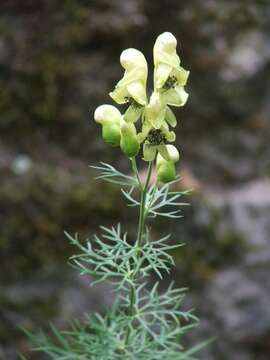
(169, 77)
(131, 89)
(155, 140)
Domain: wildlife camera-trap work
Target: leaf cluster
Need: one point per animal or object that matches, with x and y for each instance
(145, 322)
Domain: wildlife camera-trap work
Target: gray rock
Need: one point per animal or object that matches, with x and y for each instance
(248, 211)
(235, 303)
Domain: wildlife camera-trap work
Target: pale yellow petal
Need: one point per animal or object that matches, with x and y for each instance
(132, 58)
(162, 149)
(155, 111)
(162, 72)
(169, 152)
(119, 94)
(182, 75)
(176, 96)
(173, 153)
(107, 114)
(183, 95)
(170, 136)
(170, 117)
(156, 119)
(137, 91)
(165, 50)
(149, 152)
(133, 75)
(132, 114)
(145, 130)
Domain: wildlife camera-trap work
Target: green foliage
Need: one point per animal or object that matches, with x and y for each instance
(101, 338)
(112, 257)
(110, 174)
(158, 201)
(145, 322)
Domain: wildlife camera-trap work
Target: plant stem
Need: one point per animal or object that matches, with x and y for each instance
(140, 232)
(142, 207)
(136, 173)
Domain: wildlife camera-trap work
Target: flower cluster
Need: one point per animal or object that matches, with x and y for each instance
(153, 133)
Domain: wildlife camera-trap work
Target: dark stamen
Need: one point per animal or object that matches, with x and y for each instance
(170, 83)
(156, 137)
(129, 100)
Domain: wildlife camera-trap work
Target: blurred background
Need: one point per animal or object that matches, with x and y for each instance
(58, 61)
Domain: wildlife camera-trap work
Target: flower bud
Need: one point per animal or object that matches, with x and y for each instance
(111, 134)
(129, 142)
(109, 118)
(169, 153)
(173, 153)
(165, 170)
(107, 114)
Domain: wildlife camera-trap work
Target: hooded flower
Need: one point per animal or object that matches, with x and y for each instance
(131, 89)
(169, 77)
(155, 140)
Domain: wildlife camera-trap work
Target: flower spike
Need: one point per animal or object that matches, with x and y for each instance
(153, 134)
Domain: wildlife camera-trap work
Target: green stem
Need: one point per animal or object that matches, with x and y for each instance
(140, 232)
(141, 224)
(152, 198)
(135, 170)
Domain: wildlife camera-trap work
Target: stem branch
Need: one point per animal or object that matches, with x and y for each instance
(140, 232)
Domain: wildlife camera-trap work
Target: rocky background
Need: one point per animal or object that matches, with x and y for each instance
(58, 61)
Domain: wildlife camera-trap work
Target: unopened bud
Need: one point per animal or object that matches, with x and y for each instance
(109, 118)
(165, 170)
(111, 134)
(107, 114)
(173, 153)
(169, 153)
(129, 142)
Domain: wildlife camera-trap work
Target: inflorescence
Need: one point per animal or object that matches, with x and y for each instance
(157, 119)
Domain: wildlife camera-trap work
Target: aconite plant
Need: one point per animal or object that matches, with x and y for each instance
(146, 320)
